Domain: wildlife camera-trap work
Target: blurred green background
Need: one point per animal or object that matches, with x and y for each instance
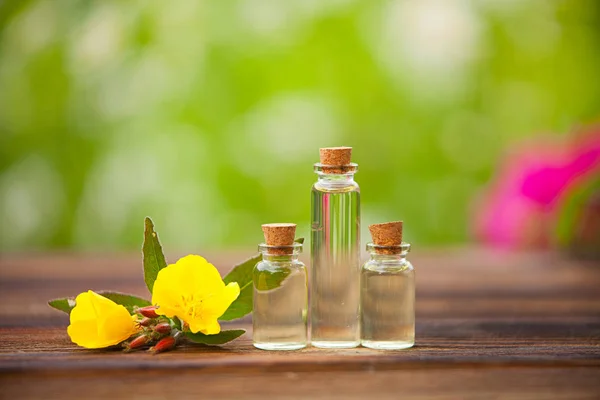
(208, 115)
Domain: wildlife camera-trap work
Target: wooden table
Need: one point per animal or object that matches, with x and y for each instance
(489, 325)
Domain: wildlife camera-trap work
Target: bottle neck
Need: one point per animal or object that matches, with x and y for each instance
(388, 254)
(283, 254)
(336, 179)
(388, 258)
(332, 176)
(279, 258)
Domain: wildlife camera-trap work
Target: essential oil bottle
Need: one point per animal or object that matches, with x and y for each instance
(280, 293)
(388, 291)
(335, 251)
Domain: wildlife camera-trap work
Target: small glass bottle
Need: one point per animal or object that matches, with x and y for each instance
(280, 298)
(388, 291)
(335, 252)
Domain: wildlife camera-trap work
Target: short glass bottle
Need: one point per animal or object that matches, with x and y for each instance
(280, 283)
(388, 298)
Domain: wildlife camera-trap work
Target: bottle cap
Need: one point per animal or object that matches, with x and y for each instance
(335, 156)
(280, 235)
(387, 234)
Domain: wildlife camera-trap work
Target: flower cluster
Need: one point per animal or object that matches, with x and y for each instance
(188, 299)
(153, 331)
(189, 293)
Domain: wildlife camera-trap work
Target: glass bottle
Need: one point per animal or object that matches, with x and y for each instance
(335, 252)
(388, 298)
(280, 283)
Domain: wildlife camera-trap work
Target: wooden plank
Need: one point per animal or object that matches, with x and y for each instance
(451, 342)
(452, 359)
(468, 383)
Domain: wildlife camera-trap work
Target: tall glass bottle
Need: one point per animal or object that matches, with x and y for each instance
(280, 283)
(335, 252)
(388, 291)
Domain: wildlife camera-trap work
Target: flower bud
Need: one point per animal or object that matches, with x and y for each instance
(136, 343)
(145, 322)
(148, 311)
(163, 327)
(163, 344)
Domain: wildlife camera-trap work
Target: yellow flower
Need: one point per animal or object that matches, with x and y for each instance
(193, 290)
(98, 322)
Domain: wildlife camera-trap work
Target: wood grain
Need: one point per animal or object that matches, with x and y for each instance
(468, 382)
(489, 325)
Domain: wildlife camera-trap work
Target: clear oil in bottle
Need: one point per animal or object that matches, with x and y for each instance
(388, 292)
(280, 294)
(335, 255)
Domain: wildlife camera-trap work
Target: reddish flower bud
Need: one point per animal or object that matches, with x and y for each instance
(145, 322)
(148, 311)
(163, 344)
(136, 343)
(163, 327)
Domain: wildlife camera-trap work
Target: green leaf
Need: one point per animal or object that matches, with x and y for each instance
(269, 280)
(127, 300)
(242, 274)
(219, 338)
(154, 259)
(66, 304)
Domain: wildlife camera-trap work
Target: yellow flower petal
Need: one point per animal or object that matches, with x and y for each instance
(192, 290)
(216, 305)
(199, 275)
(84, 310)
(98, 322)
(165, 292)
(208, 327)
(116, 325)
(83, 333)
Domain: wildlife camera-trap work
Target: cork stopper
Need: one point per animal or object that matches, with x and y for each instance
(335, 156)
(335, 160)
(282, 234)
(387, 234)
